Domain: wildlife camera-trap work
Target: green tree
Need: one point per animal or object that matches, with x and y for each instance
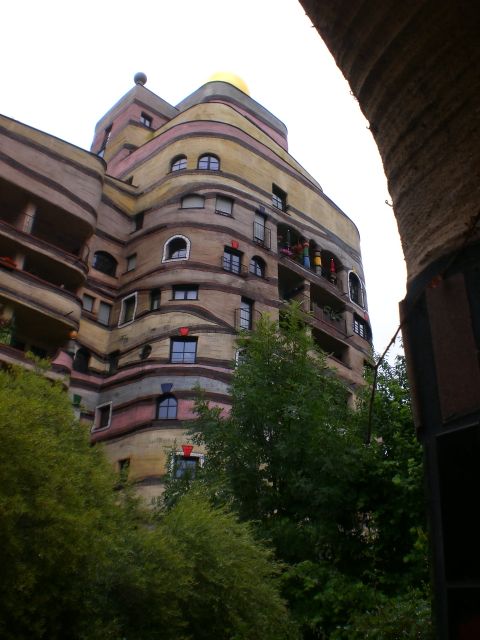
(83, 561)
(346, 518)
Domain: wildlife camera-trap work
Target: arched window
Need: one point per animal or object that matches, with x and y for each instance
(104, 262)
(178, 163)
(81, 360)
(167, 407)
(355, 288)
(209, 162)
(257, 267)
(193, 201)
(176, 248)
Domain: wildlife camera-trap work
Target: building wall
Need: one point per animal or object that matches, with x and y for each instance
(131, 203)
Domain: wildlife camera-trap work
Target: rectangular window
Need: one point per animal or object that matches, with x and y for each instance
(279, 198)
(103, 416)
(104, 312)
(113, 359)
(186, 466)
(146, 119)
(183, 350)
(232, 260)
(131, 262)
(138, 221)
(88, 302)
(224, 206)
(154, 299)
(360, 328)
(127, 311)
(259, 228)
(246, 313)
(185, 292)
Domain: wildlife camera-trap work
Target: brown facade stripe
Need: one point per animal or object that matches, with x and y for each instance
(18, 137)
(193, 371)
(39, 177)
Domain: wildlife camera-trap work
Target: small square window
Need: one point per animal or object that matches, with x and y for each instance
(127, 312)
(88, 302)
(185, 292)
(146, 119)
(104, 312)
(183, 350)
(132, 262)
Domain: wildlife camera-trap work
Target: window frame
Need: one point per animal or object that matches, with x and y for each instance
(103, 304)
(184, 288)
(182, 340)
(121, 321)
(98, 419)
(209, 159)
(92, 305)
(191, 196)
(279, 198)
(114, 263)
(155, 299)
(225, 199)
(198, 458)
(181, 161)
(146, 119)
(228, 251)
(361, 290)
(258, 264)
(246, 304)
(165, 257)
(166, 397)
(131, 262)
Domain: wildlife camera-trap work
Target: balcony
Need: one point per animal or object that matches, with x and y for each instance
(330, 318)
(13, 240)
(26, 291)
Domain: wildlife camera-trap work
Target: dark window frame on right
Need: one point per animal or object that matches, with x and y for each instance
(178, 163)
(232, 260)
(146, 119)
(167, 407)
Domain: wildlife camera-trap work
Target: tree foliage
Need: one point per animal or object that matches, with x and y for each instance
(81, 560)
(347, 519)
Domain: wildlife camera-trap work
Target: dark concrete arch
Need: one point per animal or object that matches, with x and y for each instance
(414, 68)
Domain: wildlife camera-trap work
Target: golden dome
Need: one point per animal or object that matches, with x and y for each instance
(231, 78)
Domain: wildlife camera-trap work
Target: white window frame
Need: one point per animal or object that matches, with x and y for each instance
(123, 324)
(97, 414)
(362, 304)
(165, 249)
(179, 454)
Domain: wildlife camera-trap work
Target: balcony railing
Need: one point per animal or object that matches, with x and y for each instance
(330, 316)
(262, 235)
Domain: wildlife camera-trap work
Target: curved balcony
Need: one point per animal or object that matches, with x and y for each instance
(13, 240)
(36, 295)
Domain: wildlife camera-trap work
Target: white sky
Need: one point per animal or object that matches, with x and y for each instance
(63, 65)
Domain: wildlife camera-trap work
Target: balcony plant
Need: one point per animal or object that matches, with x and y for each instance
(6, 330)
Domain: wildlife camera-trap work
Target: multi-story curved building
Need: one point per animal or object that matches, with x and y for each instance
(135, 265)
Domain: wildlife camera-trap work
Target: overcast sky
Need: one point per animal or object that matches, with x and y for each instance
(63, 65)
